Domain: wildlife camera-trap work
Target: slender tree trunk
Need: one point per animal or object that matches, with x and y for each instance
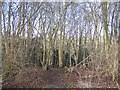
(7, 34)
(0, 43)
(23, 32)
(80, 56)
(119, 54)
(104, 12)
(117, 19)
(105, 31)
(0, 39)
(60, 49)
(60, 38)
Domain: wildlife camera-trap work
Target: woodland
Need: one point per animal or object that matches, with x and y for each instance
(60, 44)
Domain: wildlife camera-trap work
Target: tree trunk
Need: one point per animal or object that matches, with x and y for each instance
(60, 50)
(105, 12)
(0, 37)
(0, 43)
(119, 54)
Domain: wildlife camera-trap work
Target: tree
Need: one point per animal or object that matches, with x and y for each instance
(119, 48)
(0, 41)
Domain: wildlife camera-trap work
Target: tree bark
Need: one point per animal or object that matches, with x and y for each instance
(119, 54)
(0, 39)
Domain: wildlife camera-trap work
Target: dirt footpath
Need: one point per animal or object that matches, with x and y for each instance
(57, 78)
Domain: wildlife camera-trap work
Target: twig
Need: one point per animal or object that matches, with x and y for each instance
(117, 85)
(83, 60)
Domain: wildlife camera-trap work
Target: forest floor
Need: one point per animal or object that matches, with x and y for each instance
(57, 78)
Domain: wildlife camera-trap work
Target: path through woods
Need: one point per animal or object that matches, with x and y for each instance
(58, 78)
